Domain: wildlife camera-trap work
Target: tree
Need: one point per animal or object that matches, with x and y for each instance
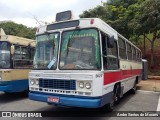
(20, 30)
(148, 22)
(124, 3)
(115, 14)
(131, 18)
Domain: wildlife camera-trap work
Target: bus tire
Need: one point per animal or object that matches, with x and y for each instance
(134, 89)
(117, 93)
(108, 107)
(115, 99)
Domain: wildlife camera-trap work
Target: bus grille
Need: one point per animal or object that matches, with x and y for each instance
(57, 84)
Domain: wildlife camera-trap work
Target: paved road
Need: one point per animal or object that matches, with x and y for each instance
(142, 101)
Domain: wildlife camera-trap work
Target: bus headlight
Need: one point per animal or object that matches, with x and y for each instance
(81, 84)
(88, 85)
(0, 78)
(32, 81)
(36, 81)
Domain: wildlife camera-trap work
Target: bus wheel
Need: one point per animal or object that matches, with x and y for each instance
(117, 93)
(108, 107)
(115, 99)
(133, 90)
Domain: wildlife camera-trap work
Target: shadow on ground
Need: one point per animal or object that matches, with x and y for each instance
(10, 97)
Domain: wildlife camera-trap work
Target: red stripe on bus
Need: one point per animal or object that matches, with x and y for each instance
(110, 77)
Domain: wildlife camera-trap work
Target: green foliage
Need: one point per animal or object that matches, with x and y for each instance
(113, 13)
(124, 3)
(20, 30)
(134, 19)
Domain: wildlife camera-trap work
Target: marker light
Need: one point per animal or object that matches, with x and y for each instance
(92, 21)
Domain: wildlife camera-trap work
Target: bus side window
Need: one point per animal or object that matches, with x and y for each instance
(32, 53)
(122, 48)
(112, 58)
(110, 55)
(129, 51)
(22, 58)
(134, 53)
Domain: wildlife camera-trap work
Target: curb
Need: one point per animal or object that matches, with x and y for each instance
(154, 77)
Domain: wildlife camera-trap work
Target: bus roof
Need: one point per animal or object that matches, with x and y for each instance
(18, 40)
(82, 23)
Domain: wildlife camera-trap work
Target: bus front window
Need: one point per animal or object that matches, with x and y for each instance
(4, 55)
(80, 50)
(46, 51)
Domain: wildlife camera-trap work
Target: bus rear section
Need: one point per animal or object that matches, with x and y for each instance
(16, 59)
(81, 63)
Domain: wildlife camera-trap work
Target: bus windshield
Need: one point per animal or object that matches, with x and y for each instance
(80, 50)
(46, 51)
(4, 55)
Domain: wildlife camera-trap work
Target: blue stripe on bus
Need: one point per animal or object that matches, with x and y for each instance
(14, 85)
(72, 101)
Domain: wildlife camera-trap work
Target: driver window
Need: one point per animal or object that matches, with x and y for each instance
(110, 55)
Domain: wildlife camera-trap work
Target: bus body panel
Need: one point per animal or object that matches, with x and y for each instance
(14, 74)
(14, 85)
(14, 80)
(96, 79)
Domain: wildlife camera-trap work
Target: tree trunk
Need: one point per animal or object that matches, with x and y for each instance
(144, 45)
(152, 54)
(152, 48)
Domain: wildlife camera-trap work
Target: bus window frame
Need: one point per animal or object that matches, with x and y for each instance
(127, 43)
(125, 49)
(98, 35)
(106, 47)
(13, 58)
(11, 66)
(58, 50)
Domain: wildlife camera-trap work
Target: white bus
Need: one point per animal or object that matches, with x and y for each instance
(83, 63)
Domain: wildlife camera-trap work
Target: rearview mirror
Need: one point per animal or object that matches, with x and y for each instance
(110, 42)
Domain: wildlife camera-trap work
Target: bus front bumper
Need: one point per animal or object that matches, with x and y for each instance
(73, 101)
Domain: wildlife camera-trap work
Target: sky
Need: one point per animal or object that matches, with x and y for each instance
(25, 11)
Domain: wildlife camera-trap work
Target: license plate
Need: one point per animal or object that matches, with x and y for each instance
(53, 99)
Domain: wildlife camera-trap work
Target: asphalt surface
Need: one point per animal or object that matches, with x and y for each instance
(141, 101)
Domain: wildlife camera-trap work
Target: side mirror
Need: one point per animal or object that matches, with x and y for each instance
(12, 49)
(110, 42)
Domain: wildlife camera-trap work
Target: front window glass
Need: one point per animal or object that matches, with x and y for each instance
(4, 55)
(80, 50)
(46, 51)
